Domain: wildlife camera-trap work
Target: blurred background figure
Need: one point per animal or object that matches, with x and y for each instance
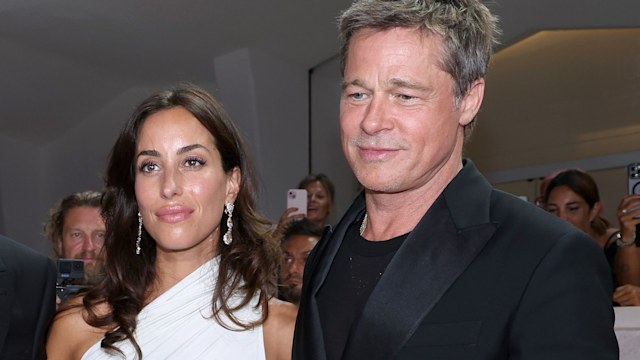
(76, 229)
(299, 239)
(573, 196)
(320, 198)
(320, 195)
(540, 199)
(27, 283)
(629, 217)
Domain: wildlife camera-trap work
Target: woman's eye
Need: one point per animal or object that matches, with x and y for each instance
(148, 167)
(194, 162)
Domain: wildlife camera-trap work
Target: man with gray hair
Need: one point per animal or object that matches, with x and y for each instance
(430, 262)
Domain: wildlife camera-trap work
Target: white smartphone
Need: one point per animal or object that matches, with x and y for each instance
(297, 198)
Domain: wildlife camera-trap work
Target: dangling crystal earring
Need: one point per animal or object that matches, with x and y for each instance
(139, 238)
(228, 209)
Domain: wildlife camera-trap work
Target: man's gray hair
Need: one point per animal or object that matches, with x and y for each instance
(467, 27)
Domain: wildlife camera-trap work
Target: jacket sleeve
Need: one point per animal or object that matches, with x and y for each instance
(48, 275)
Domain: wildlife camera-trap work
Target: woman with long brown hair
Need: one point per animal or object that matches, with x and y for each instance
(189, 269)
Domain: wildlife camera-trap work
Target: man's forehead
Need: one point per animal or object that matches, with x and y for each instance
(300, 240)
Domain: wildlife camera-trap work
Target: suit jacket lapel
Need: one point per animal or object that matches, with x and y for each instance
(328, 247)
(436, 252)
(309, 342)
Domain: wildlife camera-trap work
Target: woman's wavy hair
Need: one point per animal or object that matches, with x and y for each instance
(467, 28)
(247, 266)
(584, 186)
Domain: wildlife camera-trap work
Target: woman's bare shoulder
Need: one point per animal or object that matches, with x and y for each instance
(282, 313)
(70, 335)
(278, 329)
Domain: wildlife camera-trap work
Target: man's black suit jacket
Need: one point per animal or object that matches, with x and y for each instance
(27, 300)
(484, 275)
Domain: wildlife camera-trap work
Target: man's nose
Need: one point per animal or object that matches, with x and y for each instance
(88, 243)
(563, 215)
(297, 267)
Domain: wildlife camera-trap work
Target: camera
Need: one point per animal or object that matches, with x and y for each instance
(70, 278)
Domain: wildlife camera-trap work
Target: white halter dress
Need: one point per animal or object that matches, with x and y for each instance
(178, 325)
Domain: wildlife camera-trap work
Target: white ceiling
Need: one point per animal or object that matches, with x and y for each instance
(62, 59)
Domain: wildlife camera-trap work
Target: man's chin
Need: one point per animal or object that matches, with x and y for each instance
(92, 273)
(291, 294)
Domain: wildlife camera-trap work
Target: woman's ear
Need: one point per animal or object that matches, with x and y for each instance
(595, 211)
(233, 184)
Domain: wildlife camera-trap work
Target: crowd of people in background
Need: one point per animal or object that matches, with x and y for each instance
(573, 196)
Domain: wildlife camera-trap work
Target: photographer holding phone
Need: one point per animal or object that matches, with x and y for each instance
(628, 294)
(320, 196)
(573, 196)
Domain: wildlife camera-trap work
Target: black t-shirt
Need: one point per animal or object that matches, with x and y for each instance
(355, 271)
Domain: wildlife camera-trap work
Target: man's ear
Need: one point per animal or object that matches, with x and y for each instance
(59, 249)
(470, 103)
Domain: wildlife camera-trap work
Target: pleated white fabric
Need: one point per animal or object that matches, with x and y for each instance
(178, 325)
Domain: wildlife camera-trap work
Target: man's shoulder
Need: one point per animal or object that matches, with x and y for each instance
(13, 252)
(529, 224)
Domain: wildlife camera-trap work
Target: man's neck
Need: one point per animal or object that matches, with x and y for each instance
(392, 214)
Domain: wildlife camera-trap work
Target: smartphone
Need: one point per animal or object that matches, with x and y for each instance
(633, 171)
(297, 198)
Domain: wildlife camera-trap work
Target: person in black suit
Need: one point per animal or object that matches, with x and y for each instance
(430, 262)
(27, 300)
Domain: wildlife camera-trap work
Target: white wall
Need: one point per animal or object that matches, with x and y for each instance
(266, 97)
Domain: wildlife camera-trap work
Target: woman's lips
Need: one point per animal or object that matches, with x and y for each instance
(173, 214)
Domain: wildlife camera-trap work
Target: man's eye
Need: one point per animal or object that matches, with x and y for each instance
(357, 96)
